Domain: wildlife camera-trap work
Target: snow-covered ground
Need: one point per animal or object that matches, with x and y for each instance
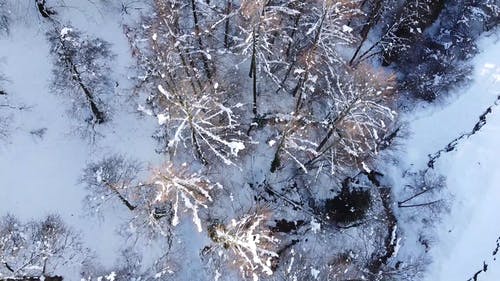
(39, 175)
(467, 236)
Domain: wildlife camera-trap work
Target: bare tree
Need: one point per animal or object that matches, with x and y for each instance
(183, 190)
(167, 193)
(251, 245)
(403, 27)
(259, 24)
(82, 67)
(127, 267)
(390, 40)
(37, 248)
(353, 116)
(7, 109)
(191, 102)
(325, 29)
(204, 122)
(426, 190)
(118, 178)
(112, 177)
(359, 116)
(374, 11)
(286, 38)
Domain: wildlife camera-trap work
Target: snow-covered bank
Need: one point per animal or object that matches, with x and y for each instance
(467, 236)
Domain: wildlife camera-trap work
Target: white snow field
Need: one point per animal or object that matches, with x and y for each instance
(467, 236)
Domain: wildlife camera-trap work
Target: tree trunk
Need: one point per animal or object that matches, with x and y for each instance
(44, 11)
(197, 147)
(121, 197)
(276, 160)
(99, 116)
(226, 28)
(253, 74)
(198, 32)
(372, 20)
(33, 278)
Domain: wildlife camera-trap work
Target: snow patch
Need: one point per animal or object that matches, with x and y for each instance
(111, 276)
(65, 31)
(162, 119)
(314, 272)
(347, 29)
(315, 226)
(163, 91)
(235, 147)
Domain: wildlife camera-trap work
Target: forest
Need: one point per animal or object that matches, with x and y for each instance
(230, 139)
